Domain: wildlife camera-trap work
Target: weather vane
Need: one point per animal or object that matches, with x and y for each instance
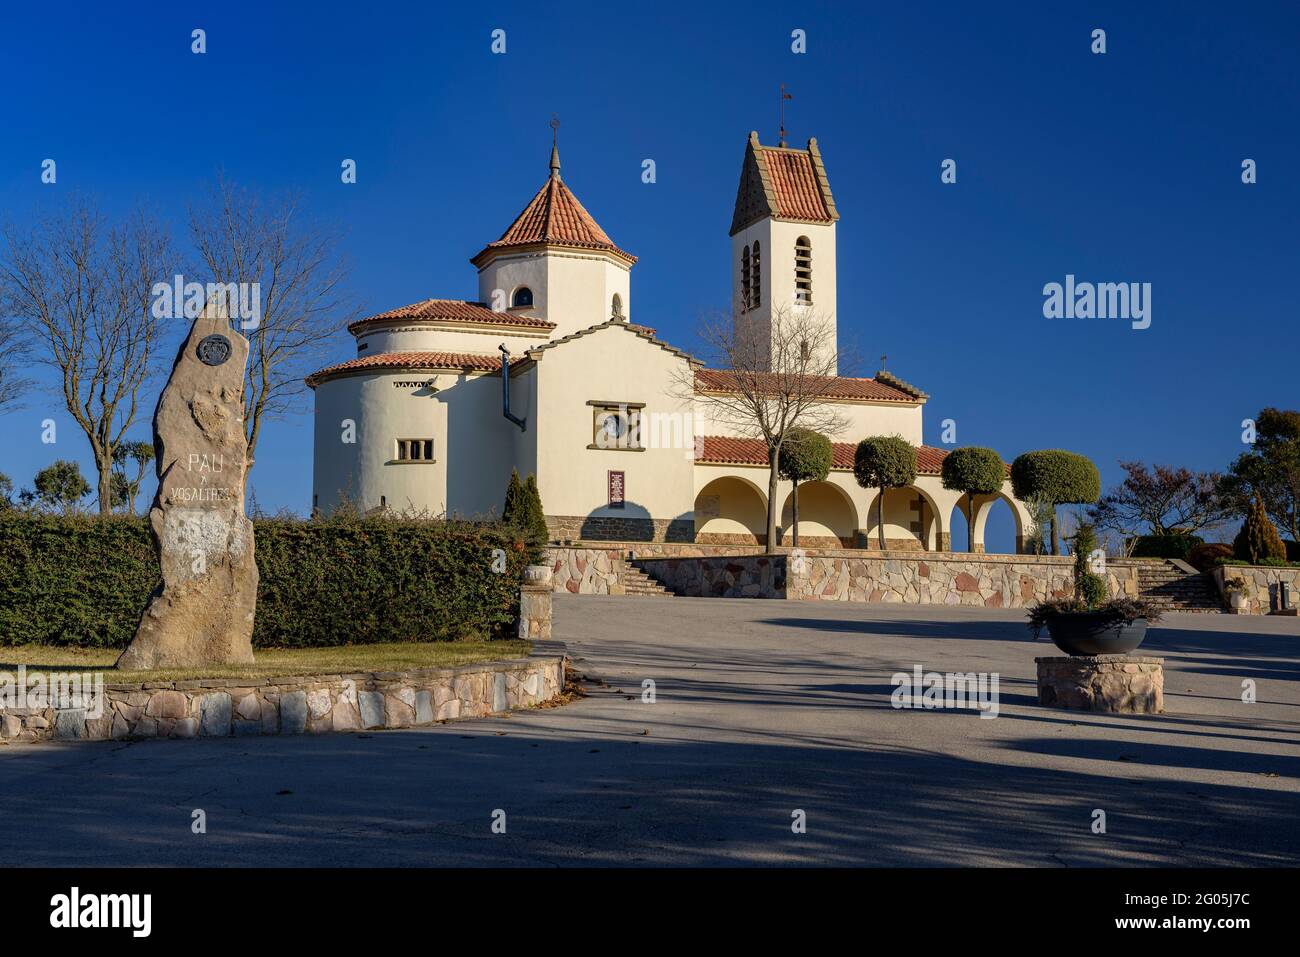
(784, 96)
(882, 362)
(555, 129)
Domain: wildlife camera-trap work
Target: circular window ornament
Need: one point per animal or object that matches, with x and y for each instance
(614, 426)
(214, 350)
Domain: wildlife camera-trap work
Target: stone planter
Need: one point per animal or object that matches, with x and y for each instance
(1094, 633)
(537, 575)
(1122, 684)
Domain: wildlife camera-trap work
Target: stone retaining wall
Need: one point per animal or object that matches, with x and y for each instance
(598, 569)
(315, 704)
(1261, 583)
(992, 581)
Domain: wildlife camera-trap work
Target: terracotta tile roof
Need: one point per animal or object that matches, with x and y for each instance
(555, 216)
(795, 184)
(783, 183)
(840, 387)
(725, 450)
(452, 310)
(381, 361)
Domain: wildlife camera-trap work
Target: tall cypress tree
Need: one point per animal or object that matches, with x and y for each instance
(513, 511)
(535, 516)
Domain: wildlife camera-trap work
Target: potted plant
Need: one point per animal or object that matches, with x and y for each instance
(1087, 623)
(1235, 590)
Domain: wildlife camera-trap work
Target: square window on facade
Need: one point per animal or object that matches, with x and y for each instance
(616, 426)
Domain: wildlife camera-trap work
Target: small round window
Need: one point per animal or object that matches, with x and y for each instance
(522, 299)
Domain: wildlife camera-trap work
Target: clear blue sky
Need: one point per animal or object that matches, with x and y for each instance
(1119, 167)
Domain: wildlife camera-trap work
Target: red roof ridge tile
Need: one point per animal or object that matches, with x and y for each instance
(451, 310)
(839, 387)
(432, 360)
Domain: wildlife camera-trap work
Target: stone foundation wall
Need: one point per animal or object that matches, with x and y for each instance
(306, 705)
(616, 528)
(1261, 583)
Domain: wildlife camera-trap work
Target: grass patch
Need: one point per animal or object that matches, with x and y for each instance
(272, 662)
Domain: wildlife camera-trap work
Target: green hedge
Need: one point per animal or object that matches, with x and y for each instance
(1166, 546)
(83, 581)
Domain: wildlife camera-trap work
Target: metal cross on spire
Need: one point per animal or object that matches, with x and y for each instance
(555, 146)
(784, 96)
(882, 362)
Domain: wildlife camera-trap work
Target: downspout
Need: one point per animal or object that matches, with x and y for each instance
(505, 390)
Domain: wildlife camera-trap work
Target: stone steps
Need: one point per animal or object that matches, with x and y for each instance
(1170, 588)
(638, 584)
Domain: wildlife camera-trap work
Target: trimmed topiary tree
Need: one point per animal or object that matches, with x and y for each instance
(1058, 477)
(805, 457)
(1258, 539)
(974, 471)
(884, 462)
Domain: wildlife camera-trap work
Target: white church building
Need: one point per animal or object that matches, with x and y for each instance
(547, 373)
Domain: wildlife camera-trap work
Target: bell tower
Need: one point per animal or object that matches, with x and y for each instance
(783, 239)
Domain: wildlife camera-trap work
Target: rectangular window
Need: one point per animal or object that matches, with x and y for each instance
(616, 426)
(415, 450)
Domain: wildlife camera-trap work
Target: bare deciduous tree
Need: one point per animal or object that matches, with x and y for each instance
(764, 379)
(14, 350)
(240, 238)
(84, 287)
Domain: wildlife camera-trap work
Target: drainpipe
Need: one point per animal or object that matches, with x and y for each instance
(505, 390)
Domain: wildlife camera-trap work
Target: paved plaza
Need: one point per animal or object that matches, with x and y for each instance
(761, 708)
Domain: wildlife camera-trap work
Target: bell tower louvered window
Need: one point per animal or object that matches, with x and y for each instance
(744, 280)
(803, 270)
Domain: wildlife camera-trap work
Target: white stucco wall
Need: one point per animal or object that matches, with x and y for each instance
(611, 364)
(432, 337)
(472, 443)
(571, 288)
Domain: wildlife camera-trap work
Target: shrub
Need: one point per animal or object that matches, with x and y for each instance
(1258, 539)
(1292, 548)
(1092, 589)
(1177, 545)
(1206, 556)
(83, 581)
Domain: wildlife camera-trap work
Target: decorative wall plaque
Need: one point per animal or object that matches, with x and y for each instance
(214, 350)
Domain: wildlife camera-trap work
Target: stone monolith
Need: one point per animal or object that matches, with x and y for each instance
(202, 614)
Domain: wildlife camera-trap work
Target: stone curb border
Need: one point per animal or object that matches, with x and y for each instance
(305, 704)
